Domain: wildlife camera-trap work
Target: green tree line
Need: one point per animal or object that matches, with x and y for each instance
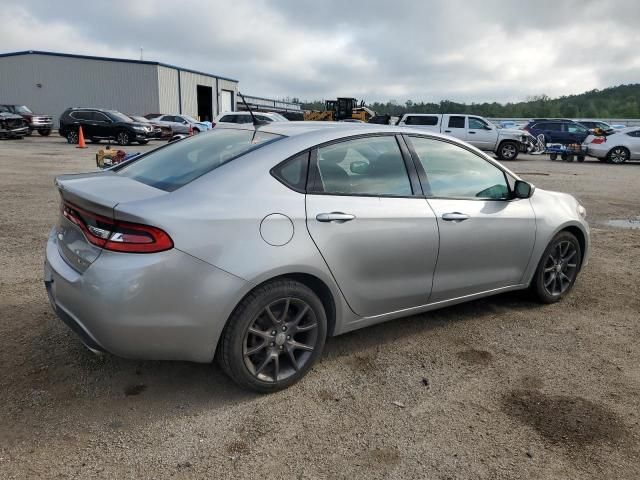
(622, 101)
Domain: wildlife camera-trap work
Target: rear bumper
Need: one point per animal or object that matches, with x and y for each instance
(164, 306)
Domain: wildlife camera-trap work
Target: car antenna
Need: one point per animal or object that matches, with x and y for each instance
(256, 122)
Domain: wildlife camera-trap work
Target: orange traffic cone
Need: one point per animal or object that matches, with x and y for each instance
(81, 143)
(190, 130)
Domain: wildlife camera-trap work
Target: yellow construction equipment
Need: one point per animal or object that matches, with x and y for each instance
(341, 109)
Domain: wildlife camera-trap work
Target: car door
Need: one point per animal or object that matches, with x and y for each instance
(369, 221)
(84, 119)
(101, 125)
(486, 237)
(481, 134)
(455, 126)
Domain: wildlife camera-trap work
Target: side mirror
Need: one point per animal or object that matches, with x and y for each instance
(523, 189)
(359, 167)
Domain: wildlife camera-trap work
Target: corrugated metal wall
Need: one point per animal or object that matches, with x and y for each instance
(188, 83)
(67, 82)
(168, 90)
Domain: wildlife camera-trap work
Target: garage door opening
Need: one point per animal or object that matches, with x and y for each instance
(205, 103)
(226, 101)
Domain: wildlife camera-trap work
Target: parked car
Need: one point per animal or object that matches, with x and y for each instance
(479, 132)
(254, 245)
(160, 131)
(617, 146)
(100, 124)
(245, 117)
(558, 130)
(12, 125)
(42, 123)
(182, 123)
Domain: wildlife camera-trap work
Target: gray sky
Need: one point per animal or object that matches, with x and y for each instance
(489, 50)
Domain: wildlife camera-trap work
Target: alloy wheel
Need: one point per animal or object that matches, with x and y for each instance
(280, 340)
(72, 137)
(123, 138)
(508, 151)
(560, 268)
(618, 155)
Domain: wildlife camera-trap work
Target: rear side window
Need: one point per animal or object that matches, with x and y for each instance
(229, 119)
(293, 172)
(177, 164)
(363, 166)
(421, 120)
(80, 115)
(456, 122)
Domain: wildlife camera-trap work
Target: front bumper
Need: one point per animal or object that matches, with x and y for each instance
(164, 306)
(41, 123)
(14, 132)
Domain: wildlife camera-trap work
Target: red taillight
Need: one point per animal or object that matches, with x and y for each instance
(116, 235)
(599, 140)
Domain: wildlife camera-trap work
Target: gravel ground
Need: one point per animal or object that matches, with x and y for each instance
(497, 388)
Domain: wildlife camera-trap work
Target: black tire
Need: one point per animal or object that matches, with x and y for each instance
(564, 157)
(553, 156)
(508, 150)
(556, 273)
(285, 300)
(72, 137)
(618, 155)
(123, 138)
(143, 142)
(196, 131)
(45, 132)
(580, 158)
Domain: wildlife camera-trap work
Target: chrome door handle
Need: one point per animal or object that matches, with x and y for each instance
(472, 133)
(455, 217)
(337, 217)
(447, 131)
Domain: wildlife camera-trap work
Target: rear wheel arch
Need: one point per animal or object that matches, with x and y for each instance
(314, 283)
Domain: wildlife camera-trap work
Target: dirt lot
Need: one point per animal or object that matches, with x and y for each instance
(498, 388)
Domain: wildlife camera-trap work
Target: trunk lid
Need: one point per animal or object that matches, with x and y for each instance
(91, 196)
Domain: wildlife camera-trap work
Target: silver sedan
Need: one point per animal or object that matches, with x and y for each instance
(615, 147)
(253, 246)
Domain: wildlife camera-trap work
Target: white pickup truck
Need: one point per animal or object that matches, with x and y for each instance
(506, 143)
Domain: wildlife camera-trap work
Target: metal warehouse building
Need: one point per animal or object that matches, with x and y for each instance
(49, 82)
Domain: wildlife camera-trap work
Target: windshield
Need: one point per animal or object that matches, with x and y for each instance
(119, 117)
(22, 109)
(189, 119)
(179, 163)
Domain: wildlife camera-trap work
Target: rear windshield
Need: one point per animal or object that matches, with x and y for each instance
(177, 164)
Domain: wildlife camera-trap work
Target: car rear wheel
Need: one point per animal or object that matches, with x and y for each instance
(123, 138)
(72, 137)
(558, 268)
(618, 155)
(273, 337)
(508, 151)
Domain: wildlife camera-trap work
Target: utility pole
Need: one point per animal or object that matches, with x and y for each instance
(141, 50)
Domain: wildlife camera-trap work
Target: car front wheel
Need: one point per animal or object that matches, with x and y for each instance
(273, 337)
(123, 138)
(558, 268)
(508, 151)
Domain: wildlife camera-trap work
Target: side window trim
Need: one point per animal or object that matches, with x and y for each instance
(313, 175)
(424, 179)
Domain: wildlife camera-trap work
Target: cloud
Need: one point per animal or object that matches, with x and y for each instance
(495, 50)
